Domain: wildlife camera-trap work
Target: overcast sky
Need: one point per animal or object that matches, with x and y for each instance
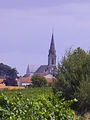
(26, 28)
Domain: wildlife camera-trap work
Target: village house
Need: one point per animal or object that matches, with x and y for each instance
(24, 81)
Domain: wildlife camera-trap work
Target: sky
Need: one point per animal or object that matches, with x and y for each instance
(26, 29)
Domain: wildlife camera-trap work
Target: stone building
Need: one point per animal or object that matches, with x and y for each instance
(51, 67)
(48, 71)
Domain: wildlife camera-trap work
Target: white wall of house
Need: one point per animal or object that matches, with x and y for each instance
(19, 83)
(26, 84)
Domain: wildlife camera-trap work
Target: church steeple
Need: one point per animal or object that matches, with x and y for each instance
(52, 55)
(28, 71)
(52, 46)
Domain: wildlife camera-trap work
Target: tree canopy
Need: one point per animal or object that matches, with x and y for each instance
(10, 74)
(39, 81)
(73, 74)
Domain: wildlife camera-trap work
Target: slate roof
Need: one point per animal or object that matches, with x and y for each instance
(42, 69)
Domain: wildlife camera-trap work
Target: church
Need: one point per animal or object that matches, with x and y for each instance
(46, 69)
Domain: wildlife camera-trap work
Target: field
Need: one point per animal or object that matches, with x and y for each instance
(33, 104)
(32, 93)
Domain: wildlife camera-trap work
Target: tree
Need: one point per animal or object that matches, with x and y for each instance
(39, 81)
(10, 74)
(11, 78)
(4, 69)
(83, 96)
(72, 71)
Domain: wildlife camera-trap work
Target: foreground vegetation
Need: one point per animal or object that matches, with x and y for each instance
(21, 104)
(34, 104)
(32, 94)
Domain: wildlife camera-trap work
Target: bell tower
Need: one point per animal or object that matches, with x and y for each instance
(52, 57)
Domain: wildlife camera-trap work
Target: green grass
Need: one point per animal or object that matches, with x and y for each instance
(31, 93)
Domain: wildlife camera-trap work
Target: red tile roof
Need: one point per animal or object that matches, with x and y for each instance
(1, 81)
(29, 79)
(26, 79)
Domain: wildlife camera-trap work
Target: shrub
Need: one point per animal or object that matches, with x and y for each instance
(39, 81)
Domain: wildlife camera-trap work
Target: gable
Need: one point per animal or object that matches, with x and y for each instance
(42, 69)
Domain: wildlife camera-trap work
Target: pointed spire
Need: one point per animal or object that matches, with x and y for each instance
(52, 45)
(28, 71)
(52, 56)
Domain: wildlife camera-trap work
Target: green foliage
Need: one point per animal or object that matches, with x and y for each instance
(4, 69)
(32, 94)
(9, 73)
(39, 81)
(44, 108)
(73, 71)
(11, 78)
(83, 96)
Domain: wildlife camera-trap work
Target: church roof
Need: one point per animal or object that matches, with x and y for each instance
(26, 79)
(42, 69)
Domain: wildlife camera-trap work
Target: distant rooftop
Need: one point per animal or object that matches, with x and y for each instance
(33, 68)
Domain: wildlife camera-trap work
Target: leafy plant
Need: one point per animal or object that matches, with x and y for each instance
(44, 108)
(39, 81)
